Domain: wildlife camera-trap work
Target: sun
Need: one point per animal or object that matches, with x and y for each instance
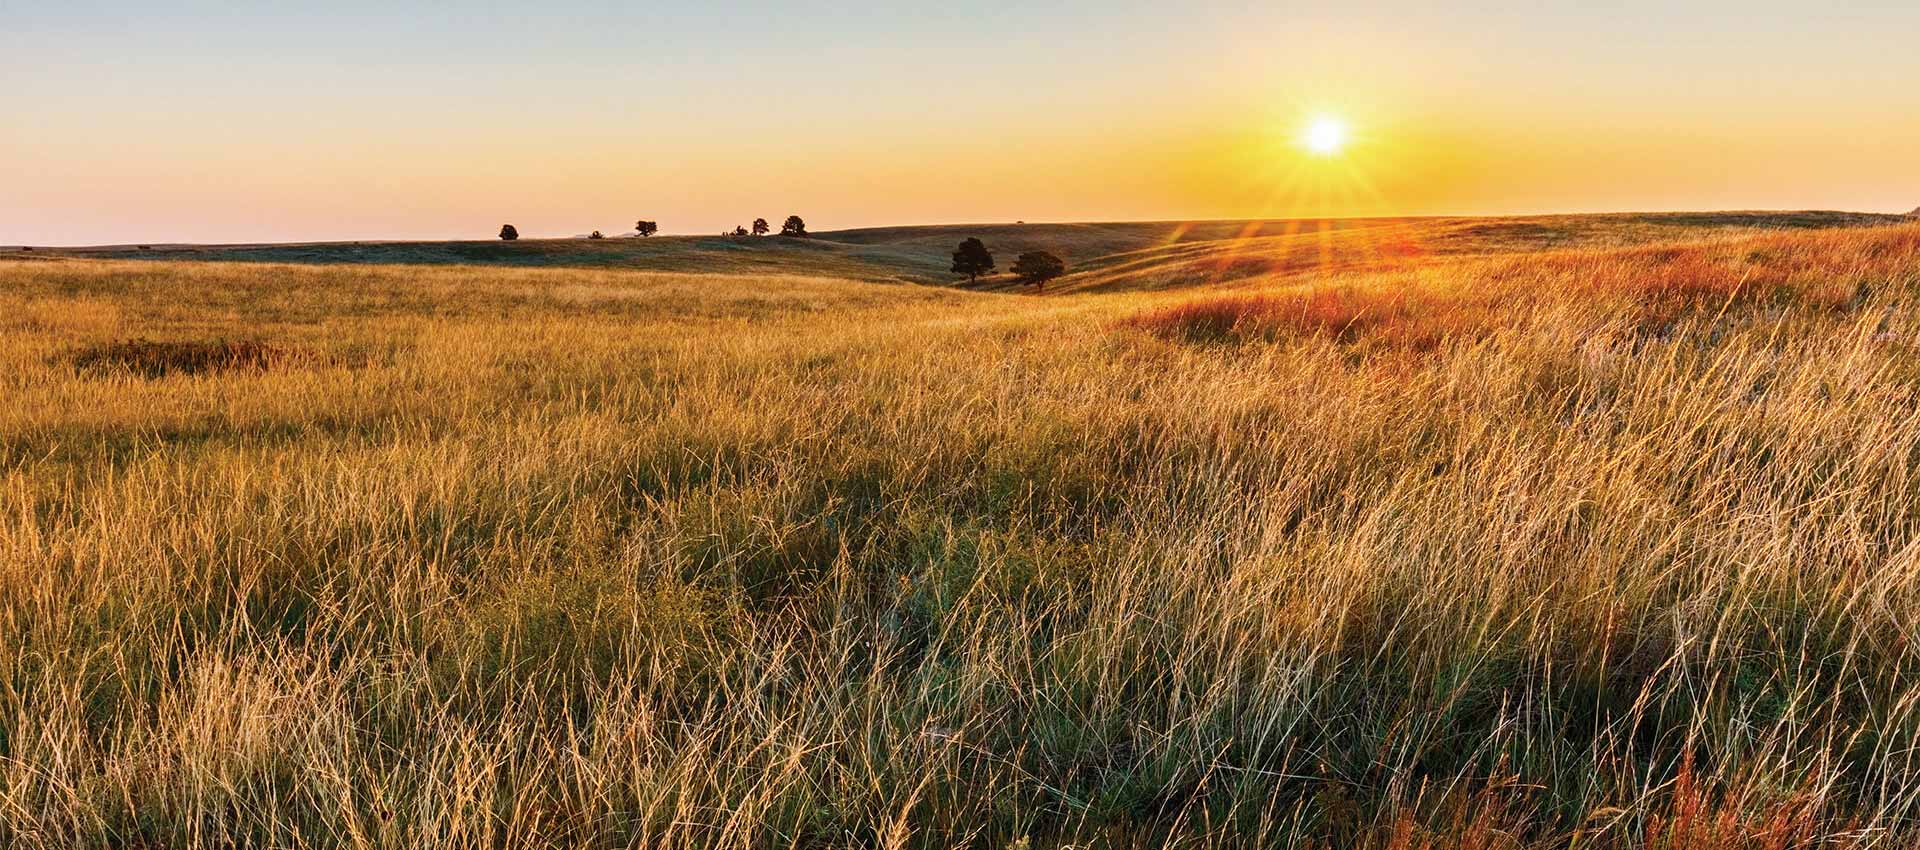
(1326, 135)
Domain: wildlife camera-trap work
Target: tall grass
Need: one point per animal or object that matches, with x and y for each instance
(1595, 549)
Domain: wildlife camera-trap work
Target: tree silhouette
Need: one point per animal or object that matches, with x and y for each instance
(646, 228)
(1038, 267)
(595, 235)
(794, 226)
(760, 227)
(973, 260)
(508, 233)
(739, 231)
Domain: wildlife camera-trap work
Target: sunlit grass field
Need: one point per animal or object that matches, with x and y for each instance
(1610, 546)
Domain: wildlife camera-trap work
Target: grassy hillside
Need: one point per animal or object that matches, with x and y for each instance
(693, 254)
(1258, 252)
(1101, 256)
(1608, 546)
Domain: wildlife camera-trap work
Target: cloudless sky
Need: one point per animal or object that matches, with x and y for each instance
(162, 122)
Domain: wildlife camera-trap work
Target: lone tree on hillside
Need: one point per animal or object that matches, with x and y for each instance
(508, 233)
(1038, 267)
(595, 235)
(646, 228)
(973, 260)
(761, 227)
(794, 226)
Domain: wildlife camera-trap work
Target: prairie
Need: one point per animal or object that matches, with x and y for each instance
(1569, 532)
(1101, 256)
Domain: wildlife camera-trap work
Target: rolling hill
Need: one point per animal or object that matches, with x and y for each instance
(1099, 256)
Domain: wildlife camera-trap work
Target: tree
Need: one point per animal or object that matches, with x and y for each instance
(760, 227)
(739, 231)
(508, 233)
(595, 235)
(646, 228)
(794, 226)
(972, 260)
(1038, 267)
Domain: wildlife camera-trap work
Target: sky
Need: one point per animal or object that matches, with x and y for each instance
(129, 122)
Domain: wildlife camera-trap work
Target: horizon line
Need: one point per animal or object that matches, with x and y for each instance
(21, 246)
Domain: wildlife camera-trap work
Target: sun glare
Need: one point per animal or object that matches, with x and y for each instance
(1326, 135)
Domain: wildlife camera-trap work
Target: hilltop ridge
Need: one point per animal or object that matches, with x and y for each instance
(1099, 255)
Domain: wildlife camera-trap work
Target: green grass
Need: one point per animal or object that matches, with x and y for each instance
(1602, 546)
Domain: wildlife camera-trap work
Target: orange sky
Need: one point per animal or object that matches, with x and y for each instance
(369, 121)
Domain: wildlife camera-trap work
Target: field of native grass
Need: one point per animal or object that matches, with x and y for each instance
(1609, 547)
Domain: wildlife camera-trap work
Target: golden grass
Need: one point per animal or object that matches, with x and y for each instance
(1599, 548)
